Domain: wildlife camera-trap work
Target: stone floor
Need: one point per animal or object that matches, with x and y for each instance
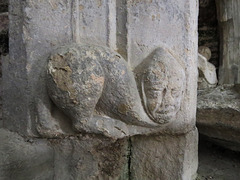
(217, 163)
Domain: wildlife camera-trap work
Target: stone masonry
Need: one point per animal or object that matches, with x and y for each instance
(83, 99)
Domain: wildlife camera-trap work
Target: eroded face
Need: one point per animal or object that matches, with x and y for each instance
(163, 87)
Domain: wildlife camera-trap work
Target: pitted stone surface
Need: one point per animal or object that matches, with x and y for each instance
(38, 27)
(132, 28)
(161, 82)
(92, 83)
(90, 157)
(25, 159)
(218, 115)
(164, 157)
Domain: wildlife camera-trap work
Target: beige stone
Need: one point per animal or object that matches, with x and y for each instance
(164, 157)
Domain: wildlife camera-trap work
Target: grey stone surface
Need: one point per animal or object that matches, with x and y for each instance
(79, 157)
(134, 29)
(83, 79)
(207, 73)
(229, 33)
(161, 82)
(218, 115)
(171, 24)
(24, 159)
(91, 157)
(164, 157)
(98, 157)
(37, 28)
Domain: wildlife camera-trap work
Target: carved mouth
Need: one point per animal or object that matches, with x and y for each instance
(164, 116)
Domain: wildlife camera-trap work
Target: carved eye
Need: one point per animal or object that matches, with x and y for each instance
(153, 92)
(175, 92)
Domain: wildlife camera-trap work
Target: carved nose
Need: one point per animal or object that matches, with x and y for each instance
(168, 100)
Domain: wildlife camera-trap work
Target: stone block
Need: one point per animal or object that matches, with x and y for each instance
(164, 157)
(91, 157)
(25, 159)
(218, 115)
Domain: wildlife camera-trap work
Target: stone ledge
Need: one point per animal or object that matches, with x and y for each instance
(218, 115)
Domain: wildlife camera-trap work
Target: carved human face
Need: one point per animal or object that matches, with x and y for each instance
(163, 87)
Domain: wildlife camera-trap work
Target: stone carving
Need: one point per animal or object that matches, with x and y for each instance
(161, 81)
(207, 71)
(205, 51)
(90, 82)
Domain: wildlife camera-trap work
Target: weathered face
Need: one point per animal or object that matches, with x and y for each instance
(163, 87)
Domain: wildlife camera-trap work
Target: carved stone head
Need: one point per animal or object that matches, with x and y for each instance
(161, 81)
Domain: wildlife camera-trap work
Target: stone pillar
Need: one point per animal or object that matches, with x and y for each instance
(173, 23)
(139, 61)
(229, 20)
(164, 157)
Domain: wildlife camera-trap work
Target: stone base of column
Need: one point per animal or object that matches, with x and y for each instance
(25, 159)
(74, 158)
(164, 157)
(90, 157)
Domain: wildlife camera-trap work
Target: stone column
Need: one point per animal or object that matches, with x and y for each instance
(174, 24)
(229, 20)
(145, 34)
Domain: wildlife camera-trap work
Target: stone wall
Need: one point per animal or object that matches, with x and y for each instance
(229, 33)
(208, 28)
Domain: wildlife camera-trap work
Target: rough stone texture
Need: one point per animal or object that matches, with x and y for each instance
(81, 157)
(91, 157)
(36, 29)
(24, 159)
(103, 82)
(164, 157)
(229, 21)
(171, 24)
(161, 83)
(218, 115)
